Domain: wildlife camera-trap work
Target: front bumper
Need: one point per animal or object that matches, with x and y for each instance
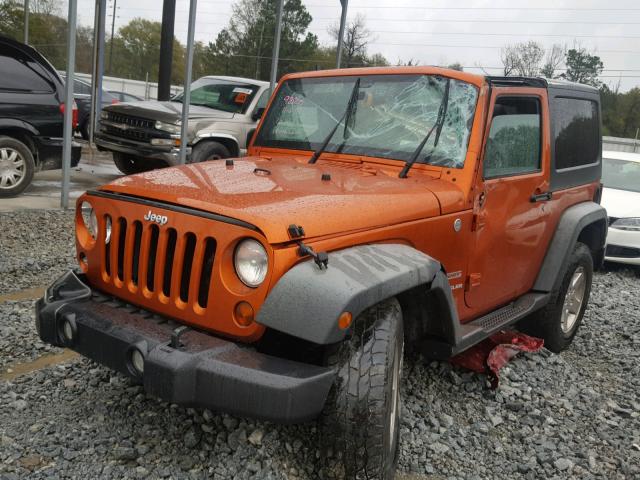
(192, 368)
(170, 155)
(623, 246)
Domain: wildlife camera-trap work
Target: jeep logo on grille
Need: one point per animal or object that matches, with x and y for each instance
(152, 217)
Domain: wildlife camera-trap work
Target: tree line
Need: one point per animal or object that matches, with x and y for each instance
(244, 48)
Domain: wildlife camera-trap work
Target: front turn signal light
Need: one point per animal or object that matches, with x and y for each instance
(243, 314)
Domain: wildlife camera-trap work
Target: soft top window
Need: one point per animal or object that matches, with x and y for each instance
(577, 132)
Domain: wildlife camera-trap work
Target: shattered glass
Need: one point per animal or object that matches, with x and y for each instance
(390, 119)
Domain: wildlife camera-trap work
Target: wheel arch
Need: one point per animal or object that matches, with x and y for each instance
(307, 301)
(586, 223)
(21, 131)
(228, 140)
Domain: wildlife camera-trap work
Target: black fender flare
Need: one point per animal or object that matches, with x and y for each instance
(572, 224)
(306, 302)
(14, 123)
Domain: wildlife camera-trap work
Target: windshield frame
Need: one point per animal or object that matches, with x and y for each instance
(221, 81)
(377, 155)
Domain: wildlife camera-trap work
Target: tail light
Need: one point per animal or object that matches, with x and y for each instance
(74, 114)
(114, 101)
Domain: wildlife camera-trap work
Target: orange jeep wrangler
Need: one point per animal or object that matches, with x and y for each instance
(378, 209)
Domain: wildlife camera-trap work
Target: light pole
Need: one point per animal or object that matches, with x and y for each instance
(68, 103)
(26, 21)
(276, 45)
(186, 96)
(343, 21)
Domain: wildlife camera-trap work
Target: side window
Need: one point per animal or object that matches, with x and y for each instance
(264, 99)
(513, 146)
(577, 132)
(81, 88)
(21, 73)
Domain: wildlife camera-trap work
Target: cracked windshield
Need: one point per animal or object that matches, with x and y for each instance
(392, 115)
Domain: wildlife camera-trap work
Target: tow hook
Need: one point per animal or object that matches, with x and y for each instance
(321, 258)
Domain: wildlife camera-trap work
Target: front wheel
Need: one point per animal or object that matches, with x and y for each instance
(558, 322)
(361, 420)
(17, 167)
(208, 150)
(128, 164)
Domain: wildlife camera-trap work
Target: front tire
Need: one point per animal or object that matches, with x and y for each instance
(205, 150)
(129, 165)
(17, 167)
(558, 322)
(361, 420)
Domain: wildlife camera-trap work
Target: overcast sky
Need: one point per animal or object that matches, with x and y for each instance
(437, 32)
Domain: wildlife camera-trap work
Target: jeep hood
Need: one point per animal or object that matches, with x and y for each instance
(169, 112)
(273, 194)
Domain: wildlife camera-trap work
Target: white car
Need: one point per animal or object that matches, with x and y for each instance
(621, 198)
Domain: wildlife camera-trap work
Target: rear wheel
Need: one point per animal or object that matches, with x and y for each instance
(361, 420)
(16, 167)
(204, 151)
(558, 323)
(128, 164)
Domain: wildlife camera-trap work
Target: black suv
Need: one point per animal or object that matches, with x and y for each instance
(31, 117)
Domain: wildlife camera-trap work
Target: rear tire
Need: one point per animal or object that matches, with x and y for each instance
(17, 167)
(129, 165)
(206, 150)
(361, 420)
(558, 322)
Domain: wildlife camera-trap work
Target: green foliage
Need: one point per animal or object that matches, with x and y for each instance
(582, 67)
(620, 112)
(136, 52)
(245, 46)
(47, 32)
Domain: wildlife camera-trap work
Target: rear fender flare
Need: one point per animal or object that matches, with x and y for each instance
(574, 221)
(306, 302)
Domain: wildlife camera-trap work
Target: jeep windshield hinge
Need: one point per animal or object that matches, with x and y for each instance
(321, 258)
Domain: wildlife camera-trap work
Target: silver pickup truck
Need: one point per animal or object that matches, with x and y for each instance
(223, 114)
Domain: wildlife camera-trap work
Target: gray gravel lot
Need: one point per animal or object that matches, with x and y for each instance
(574, 415)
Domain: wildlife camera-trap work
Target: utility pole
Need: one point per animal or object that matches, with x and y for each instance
(186, 95)
(113, 31)
(26, 22)
(343, 21)
(97, 69)
(276, 45)
(166, 49)
(68, 103)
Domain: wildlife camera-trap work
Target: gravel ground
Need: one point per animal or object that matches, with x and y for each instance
(574, 415)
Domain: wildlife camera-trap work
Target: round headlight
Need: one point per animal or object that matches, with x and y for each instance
(90, 219)
(251, 262)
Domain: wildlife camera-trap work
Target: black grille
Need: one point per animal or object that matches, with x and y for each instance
(132, 128)
(171, 258)
(131, 121)
(622, 252)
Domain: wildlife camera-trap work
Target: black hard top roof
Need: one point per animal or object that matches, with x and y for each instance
(539, 82)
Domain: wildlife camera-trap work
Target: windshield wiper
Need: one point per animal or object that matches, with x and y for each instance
(352, 102)
(442, 114)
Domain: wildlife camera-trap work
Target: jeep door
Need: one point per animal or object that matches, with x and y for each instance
(511, 208)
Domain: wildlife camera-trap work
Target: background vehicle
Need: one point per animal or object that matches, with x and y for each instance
(378, 209)
(125, 97)
(223, 115)
(82, 95)
(621, 199)
(31, 117)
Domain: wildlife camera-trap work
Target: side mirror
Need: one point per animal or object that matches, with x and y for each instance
(257, 114)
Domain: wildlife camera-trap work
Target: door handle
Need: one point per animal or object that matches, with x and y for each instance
(541, 197)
